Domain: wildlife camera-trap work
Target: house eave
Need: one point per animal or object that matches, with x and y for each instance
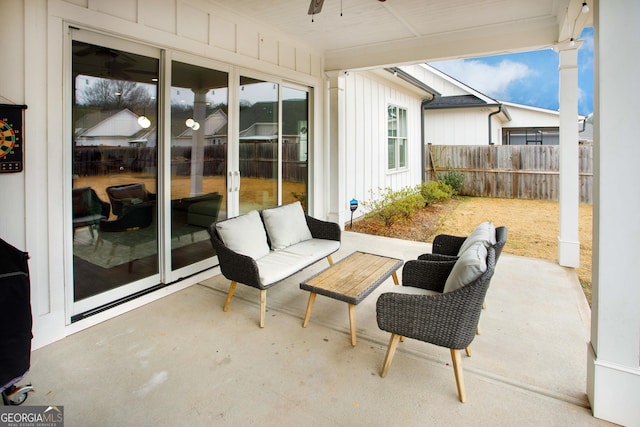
(398, 72)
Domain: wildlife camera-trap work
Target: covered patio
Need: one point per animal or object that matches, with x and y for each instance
(182, 360)
(173, 354)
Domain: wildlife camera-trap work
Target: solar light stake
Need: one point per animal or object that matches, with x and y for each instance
(353, 205)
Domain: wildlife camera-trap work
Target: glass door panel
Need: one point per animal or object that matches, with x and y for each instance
(199, 101)
(295, 145)
(114, 167)
(258, 144)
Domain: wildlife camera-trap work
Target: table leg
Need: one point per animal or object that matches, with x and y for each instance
(307, 315)
(395, 278)
(352, 323)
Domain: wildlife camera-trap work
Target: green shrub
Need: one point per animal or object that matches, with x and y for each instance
(435, 191)
(453, 179)
(392, 206)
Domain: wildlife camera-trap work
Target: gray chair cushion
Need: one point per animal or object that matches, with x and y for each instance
(469, 266)
(485, 233)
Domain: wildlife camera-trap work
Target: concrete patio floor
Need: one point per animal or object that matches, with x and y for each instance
(181, 360)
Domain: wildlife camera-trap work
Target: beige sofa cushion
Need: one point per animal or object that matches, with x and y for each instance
(286, 225)
(245, 235)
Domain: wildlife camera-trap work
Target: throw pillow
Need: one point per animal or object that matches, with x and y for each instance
(485, 233)
(286, 225)
(469, 266)
(245, 235)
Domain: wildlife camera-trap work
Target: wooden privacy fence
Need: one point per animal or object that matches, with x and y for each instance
(257, 160)
(509, 171)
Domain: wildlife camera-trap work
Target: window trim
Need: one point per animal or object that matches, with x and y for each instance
(397, 167)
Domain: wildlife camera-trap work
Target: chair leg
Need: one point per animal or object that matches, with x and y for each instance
(263, 306)
(457, 370)
(330, 260)
(468, 351)
(232, 288)
(391, 350)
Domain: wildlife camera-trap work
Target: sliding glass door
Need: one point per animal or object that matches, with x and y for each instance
(273, 144)
(199, 123)
(114, 169)
(153, 165)
(258, 144)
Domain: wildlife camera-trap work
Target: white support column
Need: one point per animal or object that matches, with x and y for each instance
(337, 149)
(197, 141)
(613, 367)
(568, 240)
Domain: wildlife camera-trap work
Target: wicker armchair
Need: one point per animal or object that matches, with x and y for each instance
(446, 246)
(444, 319)
(88, 208)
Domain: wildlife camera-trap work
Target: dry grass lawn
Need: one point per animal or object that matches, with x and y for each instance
(533, 227)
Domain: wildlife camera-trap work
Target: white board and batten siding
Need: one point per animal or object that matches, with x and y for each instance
(468, 126)
(193, 30)
(197, 27)
(367, 96)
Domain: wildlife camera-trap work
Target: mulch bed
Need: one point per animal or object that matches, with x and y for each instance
(421, 227)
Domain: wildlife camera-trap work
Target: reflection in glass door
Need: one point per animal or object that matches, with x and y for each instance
(273, 168)
(199, 101)
(258, 144)
(114, 157)
(295, 145)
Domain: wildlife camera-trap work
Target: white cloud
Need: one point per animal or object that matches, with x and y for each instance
(491, 79)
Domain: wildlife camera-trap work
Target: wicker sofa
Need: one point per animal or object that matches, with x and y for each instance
(260, 249)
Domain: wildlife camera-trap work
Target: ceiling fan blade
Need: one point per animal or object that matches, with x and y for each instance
(315, 7)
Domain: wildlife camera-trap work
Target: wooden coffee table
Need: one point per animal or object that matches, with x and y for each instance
(351, 280)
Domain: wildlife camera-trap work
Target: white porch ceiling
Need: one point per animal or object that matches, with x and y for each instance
(371, 33)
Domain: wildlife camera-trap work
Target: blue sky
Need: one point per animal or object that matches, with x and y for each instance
(529, 78)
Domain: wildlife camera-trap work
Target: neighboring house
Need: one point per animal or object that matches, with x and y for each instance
(113, 129)
(531, 126)
(260, 132)
(215, 131)
(461, 115)
(585, 130)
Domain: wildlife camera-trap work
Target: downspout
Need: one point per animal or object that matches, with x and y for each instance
(491, 115)
(422, 141)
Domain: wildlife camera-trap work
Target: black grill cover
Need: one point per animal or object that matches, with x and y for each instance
(15, 315)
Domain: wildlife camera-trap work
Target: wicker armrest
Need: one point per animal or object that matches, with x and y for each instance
(443, 320)
(437, 257)
(323, 229)
(234, 266)
(430, 275)
(447, 244)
